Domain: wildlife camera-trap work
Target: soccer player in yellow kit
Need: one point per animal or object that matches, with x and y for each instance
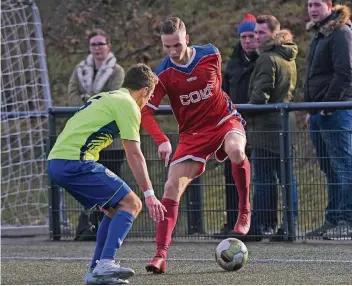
(72, 165)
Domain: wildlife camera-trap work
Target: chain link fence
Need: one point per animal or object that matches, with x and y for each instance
(292, 191)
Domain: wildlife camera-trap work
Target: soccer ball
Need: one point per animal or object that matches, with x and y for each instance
(231, 254)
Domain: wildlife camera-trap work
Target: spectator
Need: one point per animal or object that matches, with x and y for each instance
(99, 72)
(273, 81)
(329, 78)
(235, 84)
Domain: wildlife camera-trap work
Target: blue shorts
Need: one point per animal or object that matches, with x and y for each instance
(88, 182)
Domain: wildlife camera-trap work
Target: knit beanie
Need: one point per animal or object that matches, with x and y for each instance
(247, 24)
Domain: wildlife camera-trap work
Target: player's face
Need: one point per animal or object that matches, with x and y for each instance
(146, 94)
(99, 48)
(262, 32)
(318, 10)
(248, 42)
(175, 45)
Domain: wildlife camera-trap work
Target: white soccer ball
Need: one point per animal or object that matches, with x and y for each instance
(231, 254)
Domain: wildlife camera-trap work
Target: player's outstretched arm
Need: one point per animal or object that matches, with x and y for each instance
(138, 166)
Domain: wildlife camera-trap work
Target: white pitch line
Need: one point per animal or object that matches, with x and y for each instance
(264, 260)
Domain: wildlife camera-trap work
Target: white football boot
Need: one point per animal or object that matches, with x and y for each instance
(110, 268)
(90, 280)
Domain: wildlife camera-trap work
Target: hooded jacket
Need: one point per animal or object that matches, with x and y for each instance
(273, 81)
(329, 73)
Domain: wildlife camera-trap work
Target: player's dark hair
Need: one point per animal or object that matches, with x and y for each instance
(172, 25)
(98, 32)
(271, 21)
(139, 76)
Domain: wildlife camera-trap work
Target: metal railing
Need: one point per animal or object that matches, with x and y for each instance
(203, 210)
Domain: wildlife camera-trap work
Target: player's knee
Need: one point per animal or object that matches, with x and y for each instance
(236, 152)
(172, 189)
(136, 205)
(131, 203)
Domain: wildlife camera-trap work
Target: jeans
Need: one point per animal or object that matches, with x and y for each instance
(266, 173)
(331, 136)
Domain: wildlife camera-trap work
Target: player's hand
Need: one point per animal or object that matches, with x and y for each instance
(156, 209)
(165, 151)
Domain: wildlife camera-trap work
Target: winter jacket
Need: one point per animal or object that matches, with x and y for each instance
(83, 84)
(237, 75)
(329, 73)
(273, 81)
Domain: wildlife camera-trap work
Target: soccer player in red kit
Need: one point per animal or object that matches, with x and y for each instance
(208, 124)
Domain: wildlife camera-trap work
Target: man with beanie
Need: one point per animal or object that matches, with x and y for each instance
(235, 84)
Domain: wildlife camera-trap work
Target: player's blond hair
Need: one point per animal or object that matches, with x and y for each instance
(139, 76)
(172, 25)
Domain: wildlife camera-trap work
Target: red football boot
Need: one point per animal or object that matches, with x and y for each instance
(157, 265)
(243, 223)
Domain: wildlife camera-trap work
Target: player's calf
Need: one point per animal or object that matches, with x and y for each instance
(241, 175)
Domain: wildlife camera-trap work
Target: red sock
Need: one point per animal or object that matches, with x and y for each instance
(241, 174)
(165, 228)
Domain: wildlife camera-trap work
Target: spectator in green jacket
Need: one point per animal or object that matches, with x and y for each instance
(273, 81)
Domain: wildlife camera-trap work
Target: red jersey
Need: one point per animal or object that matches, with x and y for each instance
(195, 94)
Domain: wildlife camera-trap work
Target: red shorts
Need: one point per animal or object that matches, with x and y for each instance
(200, 146)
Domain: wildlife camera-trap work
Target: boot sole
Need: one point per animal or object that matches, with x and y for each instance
(118, 275)
(103, 281)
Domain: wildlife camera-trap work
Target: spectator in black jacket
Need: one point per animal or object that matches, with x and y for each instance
(235, 84)
(329, 78)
